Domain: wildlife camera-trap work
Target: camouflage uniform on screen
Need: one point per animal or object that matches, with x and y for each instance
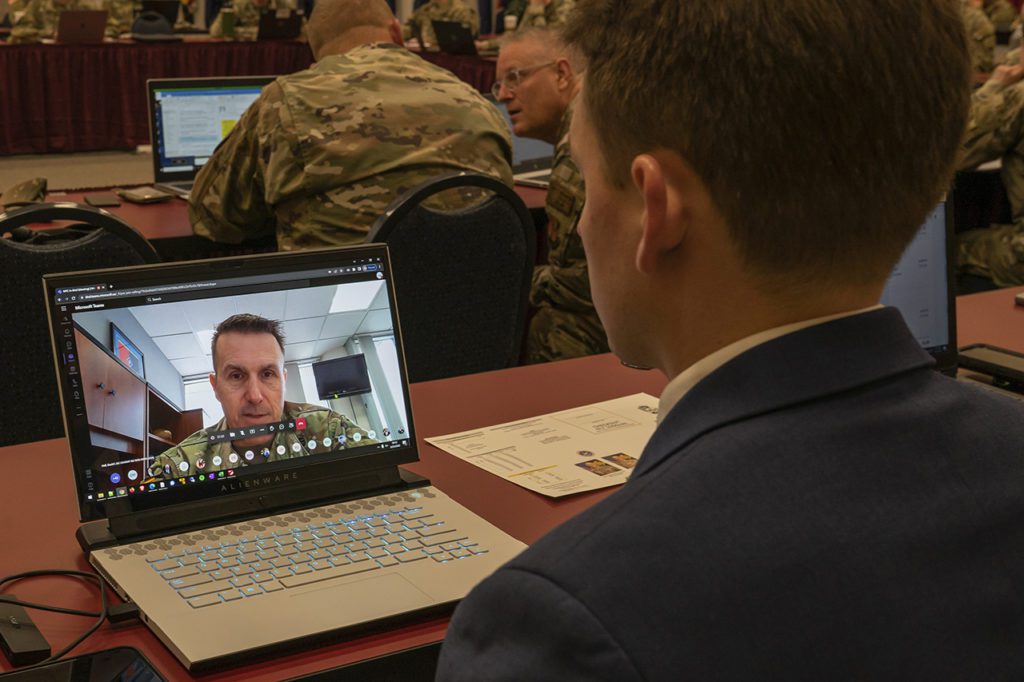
(40, 18)
(433, 11)
(247, 17)
(995, 129)
(202, 457)
(981, 38)
(564, 324)
(999, 12)
(320, 155)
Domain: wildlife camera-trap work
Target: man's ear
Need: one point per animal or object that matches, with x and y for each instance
(565, 74)
(213, 380)
(395, 31)
(657, 235)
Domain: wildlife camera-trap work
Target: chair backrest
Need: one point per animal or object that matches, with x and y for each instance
(462, 277)
(28, 397)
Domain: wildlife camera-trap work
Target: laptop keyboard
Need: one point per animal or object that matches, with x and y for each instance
(278, 553)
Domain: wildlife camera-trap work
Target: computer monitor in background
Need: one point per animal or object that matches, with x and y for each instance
(921, 287)
(188, 118)
(342, 377)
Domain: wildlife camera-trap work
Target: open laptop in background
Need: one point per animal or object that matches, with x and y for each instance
(188, 118)
(531, 159)
(81, 26)
(921, 287)
(454, 37)
(281, 24)
(241, 547)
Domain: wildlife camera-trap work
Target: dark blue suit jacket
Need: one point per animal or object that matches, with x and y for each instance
(824, 506)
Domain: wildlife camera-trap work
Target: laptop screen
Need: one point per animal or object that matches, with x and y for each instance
(920, 287)
(189, 118)
(152, 423)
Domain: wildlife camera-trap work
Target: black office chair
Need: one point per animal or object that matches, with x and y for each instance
(462, 277)
(28, 387)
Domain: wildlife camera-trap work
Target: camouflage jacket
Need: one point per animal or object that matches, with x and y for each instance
(564, 324)
(999, 12)
(40, 18)
(431, 11)
(981, 38)
(321, 153)
(247, 17)
(196, 455)
(555, 13)
(995, 129)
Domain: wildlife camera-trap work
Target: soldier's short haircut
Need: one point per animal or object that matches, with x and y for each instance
(246, 323)
(539, 34)
(332, 18)
(822, 139)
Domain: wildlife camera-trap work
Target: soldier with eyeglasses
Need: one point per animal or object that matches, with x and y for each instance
(538, 84)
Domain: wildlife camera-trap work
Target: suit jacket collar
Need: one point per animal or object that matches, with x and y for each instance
(803, 366)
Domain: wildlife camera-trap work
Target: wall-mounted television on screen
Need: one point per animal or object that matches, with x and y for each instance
(341, 377)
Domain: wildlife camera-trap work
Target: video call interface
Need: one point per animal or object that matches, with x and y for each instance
(191, 122)
(334, 391)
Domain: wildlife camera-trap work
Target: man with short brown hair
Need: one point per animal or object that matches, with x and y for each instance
(816, 502)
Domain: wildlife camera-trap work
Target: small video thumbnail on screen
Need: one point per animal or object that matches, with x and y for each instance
(206, 388)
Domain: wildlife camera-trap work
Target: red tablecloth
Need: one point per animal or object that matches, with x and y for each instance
(75, 98)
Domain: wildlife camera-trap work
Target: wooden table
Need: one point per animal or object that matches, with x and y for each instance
(38, 510)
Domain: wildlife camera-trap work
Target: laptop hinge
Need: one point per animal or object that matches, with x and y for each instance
(138, 526)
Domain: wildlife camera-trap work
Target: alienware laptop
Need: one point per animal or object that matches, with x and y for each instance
(188, 118)
(81, 26)
(243, 524)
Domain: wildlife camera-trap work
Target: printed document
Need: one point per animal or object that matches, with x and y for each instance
(572, 451)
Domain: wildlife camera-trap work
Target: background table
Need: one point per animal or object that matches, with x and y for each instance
(74, 98)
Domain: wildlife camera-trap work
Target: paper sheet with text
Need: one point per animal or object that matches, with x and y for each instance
(557, 454)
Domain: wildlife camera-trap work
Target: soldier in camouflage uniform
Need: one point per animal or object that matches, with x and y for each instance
(995, 129)
(247, 17)
(258, 425)
(538, 84)
(981, 37)
(325, 431)
(533, 14)
(999, 12)
(321, 153)
(440, 10)
(40, 18)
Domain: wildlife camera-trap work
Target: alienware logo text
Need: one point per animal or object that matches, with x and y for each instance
(258, 482)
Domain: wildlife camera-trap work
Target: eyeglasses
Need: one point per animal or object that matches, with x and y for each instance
(514, 78)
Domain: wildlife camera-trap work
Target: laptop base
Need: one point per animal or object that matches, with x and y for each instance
(96, 535)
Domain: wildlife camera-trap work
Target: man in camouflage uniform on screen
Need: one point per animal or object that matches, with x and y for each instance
(258, 426)
(995, 130)
(538, 84)
(321, 153)
(40, 18)
(323, 431)
(440, 10)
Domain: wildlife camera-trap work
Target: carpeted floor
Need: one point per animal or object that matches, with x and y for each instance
(77, 171)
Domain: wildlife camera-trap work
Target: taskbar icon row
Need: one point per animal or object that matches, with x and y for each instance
(298, 424)
(156, 486)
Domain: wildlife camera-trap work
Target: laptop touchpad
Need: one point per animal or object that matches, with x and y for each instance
(368, 598)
